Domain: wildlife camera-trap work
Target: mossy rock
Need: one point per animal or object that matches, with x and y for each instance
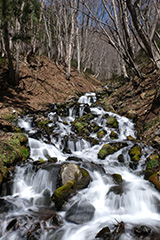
(12, 149)
(112, 122)
(111, 148)
(101, 134)
(135, 153)
(154, 178)
(130, 138)
(73, 178)
(113, 135)
(62, 194)
(80, 127)
(117, 177)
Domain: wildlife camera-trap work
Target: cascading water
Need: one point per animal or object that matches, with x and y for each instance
(134, 202)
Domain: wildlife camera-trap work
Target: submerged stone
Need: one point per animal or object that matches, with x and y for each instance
(80, 212)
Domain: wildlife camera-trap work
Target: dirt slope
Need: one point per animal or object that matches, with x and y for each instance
(45, 84)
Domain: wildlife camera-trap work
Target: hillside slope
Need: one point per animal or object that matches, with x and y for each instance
(44, 84)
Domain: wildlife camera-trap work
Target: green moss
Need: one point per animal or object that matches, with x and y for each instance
(62, 194)
(113, 135)
(9, 117)
(117, 177)
(135, 153)
(112, 122)
(155, 180)
(101, 134)
(24, 152)
(106, 150)
(13, 149)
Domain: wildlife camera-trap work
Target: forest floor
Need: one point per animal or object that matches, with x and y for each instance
(47, 84)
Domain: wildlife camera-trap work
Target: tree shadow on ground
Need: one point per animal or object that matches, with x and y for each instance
(11, 98)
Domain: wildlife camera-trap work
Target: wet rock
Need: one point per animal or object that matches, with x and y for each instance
(62, 194)
(117, 177)
(118, 190)
(80, 212)
(113, 135)
(135, 153)
(111, 148)
(45, 199)
(104, 233)
(82, 125)
(12, 224)
(6, 206)
(101, 134)
(68, 172)
(142, 230)
(130, 138)
(121, 158)
(73, 178)
(112, 122)
(86, 109)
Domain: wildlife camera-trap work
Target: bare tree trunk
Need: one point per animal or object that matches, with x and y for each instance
(78, 50)
(70, 43)
(143, 35)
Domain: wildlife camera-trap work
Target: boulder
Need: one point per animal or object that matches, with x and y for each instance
(155, 179)
(117, 178)
(73, 178)
(142, 230)
(113, 135)
(101, 134)
(135, 153)
(80, 212)
(112, 122)
(108, 149)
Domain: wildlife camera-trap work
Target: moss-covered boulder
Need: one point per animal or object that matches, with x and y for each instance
(12, 149)
(155, 179)
(113, 135)
(73, 178)
(111, 148)
(101, 134)
(112, 122)
(135, 153)
(117, 177)
(82, 125)
(153, 165)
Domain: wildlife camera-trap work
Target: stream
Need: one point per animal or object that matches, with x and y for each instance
(29, 213)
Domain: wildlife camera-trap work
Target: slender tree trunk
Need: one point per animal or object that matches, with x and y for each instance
(17, 53)
(70, 43)
(9, 56)
(78, 50)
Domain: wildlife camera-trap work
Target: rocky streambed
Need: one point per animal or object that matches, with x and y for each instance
(87, 177)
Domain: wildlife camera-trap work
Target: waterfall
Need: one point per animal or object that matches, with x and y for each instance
(135, 201)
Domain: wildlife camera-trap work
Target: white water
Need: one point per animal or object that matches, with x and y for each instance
(136, 205)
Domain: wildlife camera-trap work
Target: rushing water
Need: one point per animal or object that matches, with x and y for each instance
(137, 203)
